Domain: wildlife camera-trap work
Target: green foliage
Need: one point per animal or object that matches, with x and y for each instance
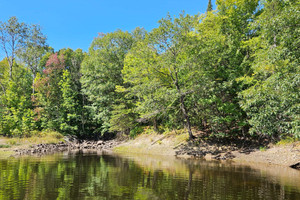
(229, 72)
(221, 58)
(287, 140)
(48, 97)
(4, 146)
(57, 98)
(69, 107)
(209, 6)
(159, 71)
(135, 131)
(272, 100)
(17, 115)
(101, 71)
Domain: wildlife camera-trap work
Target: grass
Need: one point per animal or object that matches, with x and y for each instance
(44, 137)
(4, 146)
(154, 143)
(181, 138)
(262, 148)
(287, 140)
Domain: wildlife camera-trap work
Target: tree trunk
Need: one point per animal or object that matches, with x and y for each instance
(2, 87)
(33, 77)
(155, 125)
(186, 117)
(10, 72)
(183, 109)
(189, 186)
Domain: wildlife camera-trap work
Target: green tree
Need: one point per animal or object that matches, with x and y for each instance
(34, 49)
(17, 117)
(58, 99)
(271, 99)
(12, 37)
(209, 6)
(160, 69)
(221, 57)
(101, 71)
(48, 97)
(70, 120)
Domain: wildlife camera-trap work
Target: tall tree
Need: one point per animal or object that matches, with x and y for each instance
(33, 51)
(271, 99)
(209, 6)
(17, 117)
(222, 57)
(12, 37)
(48, 98)
(101, 71)
(159, 69)
(73, 60)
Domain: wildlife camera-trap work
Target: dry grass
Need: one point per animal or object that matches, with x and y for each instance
(154, 143)
(45, 137)
(5, 154)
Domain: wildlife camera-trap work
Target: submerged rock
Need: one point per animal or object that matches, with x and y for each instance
(296, 166)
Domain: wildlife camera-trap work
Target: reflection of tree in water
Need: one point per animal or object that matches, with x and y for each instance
(188, 189)
(112, 177)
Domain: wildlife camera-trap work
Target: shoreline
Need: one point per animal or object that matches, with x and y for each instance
(69, 143)
(169, 145)
(287, 155)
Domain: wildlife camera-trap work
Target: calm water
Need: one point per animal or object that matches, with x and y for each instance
(96, 176)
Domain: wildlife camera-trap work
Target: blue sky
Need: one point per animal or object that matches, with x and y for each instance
(74, 23)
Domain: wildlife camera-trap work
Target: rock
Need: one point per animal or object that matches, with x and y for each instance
(72, 143)
(296, 166)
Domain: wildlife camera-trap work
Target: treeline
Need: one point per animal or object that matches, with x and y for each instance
(231, 71)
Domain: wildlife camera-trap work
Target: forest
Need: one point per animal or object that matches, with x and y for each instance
(230, 71)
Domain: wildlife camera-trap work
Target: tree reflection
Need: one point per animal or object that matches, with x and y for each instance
(113, 177)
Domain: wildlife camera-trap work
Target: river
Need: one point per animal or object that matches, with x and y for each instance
(107, 176)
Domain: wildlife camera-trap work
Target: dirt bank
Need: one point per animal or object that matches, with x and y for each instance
(177, 145)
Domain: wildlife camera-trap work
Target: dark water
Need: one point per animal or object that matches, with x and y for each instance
(92, 176)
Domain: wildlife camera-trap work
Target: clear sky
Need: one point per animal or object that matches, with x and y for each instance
(74, 23)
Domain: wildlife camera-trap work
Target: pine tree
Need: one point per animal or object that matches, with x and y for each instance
(209, 6)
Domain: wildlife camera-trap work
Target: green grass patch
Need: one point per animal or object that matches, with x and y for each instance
(262, 148)
(4, 146)
(12, 141)
(287, 140)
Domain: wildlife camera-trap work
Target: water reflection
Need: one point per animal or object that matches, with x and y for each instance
(92, 176)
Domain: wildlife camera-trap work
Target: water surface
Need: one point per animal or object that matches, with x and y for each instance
(105, 176)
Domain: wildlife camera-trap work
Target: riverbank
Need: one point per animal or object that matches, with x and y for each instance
(50, 143)
(172, 144)
(9, 146)
(284, 154)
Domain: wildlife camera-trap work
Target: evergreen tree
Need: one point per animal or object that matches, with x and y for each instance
(209, 6)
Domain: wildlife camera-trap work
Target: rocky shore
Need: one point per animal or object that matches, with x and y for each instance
(241, 152)
(204, 150)
(71, 144)
(288, 155)
(174, 145)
